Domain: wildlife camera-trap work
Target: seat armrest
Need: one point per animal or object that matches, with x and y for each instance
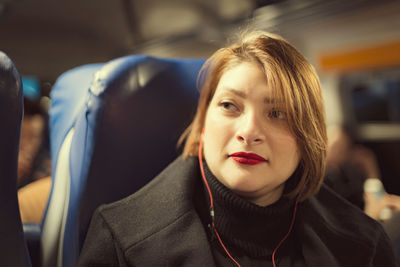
(32, 232)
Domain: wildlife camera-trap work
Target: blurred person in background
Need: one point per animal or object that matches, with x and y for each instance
(34, 164)
(353, 172)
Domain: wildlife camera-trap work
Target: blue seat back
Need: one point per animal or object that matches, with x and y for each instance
(13, 250)
(68, 96)
(120, 136)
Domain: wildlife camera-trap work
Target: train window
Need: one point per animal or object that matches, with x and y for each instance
(374, 96)
(371, 103)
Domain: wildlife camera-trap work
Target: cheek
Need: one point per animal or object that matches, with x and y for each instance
(214, 136)
(295, 153)
(212, 126)
(297, 156)
(210, 137)
(217, 123)
(211, 149)
(288, 147)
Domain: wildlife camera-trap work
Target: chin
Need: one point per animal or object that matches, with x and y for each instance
(245, 186)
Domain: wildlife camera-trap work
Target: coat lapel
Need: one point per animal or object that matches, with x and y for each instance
(189, 247)
(165, 228)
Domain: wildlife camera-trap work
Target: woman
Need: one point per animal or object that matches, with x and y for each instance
(247, 189)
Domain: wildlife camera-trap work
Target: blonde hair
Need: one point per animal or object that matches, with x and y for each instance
(295, 83)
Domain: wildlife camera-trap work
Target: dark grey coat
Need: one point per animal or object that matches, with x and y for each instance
(159, 226)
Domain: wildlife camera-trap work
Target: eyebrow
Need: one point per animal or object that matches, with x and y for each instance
(267, 100)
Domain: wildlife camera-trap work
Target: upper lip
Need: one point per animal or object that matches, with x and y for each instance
(247, 155)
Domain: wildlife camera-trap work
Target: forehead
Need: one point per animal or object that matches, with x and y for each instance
(246, 80)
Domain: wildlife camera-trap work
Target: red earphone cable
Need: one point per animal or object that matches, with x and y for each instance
(212, 204)
(223, 246)
(204, 176)
(287, 235)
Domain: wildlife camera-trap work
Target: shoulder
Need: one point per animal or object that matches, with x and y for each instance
(341, 216)
(333, 227)
(158, 204)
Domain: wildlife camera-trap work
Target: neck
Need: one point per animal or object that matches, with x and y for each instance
(245, 225)
(260, 198)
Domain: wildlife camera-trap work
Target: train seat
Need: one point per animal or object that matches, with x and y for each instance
(113, 127)
(13, 249)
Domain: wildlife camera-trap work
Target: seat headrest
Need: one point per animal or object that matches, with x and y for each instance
(11, 101)
(13, 251)
(145, 103)
(126, 116)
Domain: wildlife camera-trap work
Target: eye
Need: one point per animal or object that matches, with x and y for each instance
(277, 114)
(228, 106)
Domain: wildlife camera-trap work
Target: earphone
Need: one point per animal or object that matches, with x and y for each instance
(212, 213)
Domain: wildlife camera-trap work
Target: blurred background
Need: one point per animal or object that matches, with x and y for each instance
(353, 44)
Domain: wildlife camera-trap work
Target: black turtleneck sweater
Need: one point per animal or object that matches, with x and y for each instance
(250, 232)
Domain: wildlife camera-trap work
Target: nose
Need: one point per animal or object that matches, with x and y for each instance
(250, 130)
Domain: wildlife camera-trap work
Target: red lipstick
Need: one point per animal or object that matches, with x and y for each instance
(247, 158)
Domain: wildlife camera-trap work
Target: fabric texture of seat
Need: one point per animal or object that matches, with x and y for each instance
(13, 249)
(68, 99)
(116, 133)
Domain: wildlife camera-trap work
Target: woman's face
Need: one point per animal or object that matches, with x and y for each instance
(247, 143)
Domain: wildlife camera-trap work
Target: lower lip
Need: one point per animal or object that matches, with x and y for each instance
(247, 161)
